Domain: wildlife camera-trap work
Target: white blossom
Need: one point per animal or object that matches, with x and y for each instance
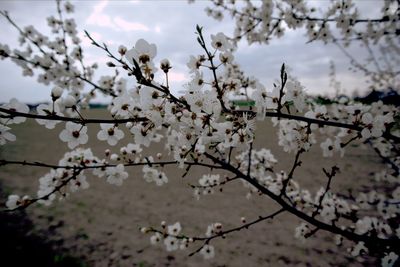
(74, 134)
(116, 175)
(15, 105)
(171, 243)
(5, 135)
(207, 251)
(13, 202)
(110, 133)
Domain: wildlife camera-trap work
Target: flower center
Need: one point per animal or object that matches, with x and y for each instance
(125, 106)
(144, 58)
(75, 134)
(110, 131)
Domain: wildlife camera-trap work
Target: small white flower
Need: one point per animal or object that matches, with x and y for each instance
(114, 157)
(165, 65)
(193, 64)
(69, 7)
(226, 58)
(15, 105)
(116, 175)
(5, 135)
(174, 229)
(327, 148)
(301, 231)
(133, 148)
(272, 99)
(46, 110)
(56, 92)
(156, 238)
(142, 52)
(390, 259)
(153, 175)
(79, 182)
(209, 180)
(122, 106)
(208, 252)
(359, 249)
(69, 101)
(171, 243)
(295, 93)
(220, 42)
(74, 134)
(13, 202)
(122, 50)
(184, 244)
(110, 133)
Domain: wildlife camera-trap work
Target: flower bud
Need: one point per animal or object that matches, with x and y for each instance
(110, 64)
(56, 93)
(122, 50)
(69, 101)
(165, 65)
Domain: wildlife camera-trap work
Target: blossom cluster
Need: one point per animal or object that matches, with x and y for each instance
(338, 22)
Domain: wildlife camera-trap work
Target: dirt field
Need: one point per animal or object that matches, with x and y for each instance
(101, 225)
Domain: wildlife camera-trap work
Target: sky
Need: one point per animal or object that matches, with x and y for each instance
(171, 26)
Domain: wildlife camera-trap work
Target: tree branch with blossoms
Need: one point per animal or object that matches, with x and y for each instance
(203, 128)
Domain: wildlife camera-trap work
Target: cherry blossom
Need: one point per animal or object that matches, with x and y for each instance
(13, 202)
(142, 52)
(110, 133)
(5, 135)
(174, 229)
(171, 243)
(154, 175)
(389, 260)
(116, 175)
(15, 105)
(48, 110)
(220, 42)
(156, 238)
(74, 134)
(207, 251)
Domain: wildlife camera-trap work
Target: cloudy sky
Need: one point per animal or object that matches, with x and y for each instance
(171, 26)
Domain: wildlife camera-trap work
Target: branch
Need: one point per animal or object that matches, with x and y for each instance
(82, 167)
(55, 117)
(213, 68)
(327, 188)
(27, 203)
(296, 163)
(239, 228)
(386, 134)
(370, 241)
